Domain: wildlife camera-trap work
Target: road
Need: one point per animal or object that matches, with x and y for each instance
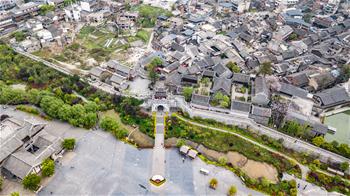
(47, 63)
(303, 168)
(244, 121)
(158, 163)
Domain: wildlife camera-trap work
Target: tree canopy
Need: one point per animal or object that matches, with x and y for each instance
(187, 93)
(68, 143)
(233, 67)
(31, 182)
(232, 190)
(48, 167)
(265, 68)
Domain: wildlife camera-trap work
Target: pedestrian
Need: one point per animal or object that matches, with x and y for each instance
(298, 185)
(183, 159)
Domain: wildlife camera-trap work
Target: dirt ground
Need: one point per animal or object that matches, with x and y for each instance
(170, 143)
(253, 169)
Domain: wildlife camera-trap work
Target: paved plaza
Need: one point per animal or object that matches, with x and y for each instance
(102, 165)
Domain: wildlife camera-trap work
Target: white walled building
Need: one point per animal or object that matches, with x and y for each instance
(288, 2)
(73, 13)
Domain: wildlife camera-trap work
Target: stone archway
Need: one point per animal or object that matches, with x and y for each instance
(160, 107)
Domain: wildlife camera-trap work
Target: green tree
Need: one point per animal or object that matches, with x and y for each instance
(233, 67)
(64, 112)
(31, 182)
(89, 120)
(68, 2)
(344, 166)
(265, 68)
(151, 68)
(292, 183)
(317, 163)
(68, 143)
(121, 133)
(156, 61)
(187, 92)
(48, 168)
(1, 182)
(213, 183)
(293, 36)
(318, 141)
(109, 124)
(293, 192)
(14, 194)
(44, 9)
(205, 81)
(222, 160)
(180, 142)
(19, 36)
(221, 99)
(232, 190)
(264, 182)
(346, 71)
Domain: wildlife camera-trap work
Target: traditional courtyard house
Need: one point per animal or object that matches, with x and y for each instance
(260, 115)
(261, 92)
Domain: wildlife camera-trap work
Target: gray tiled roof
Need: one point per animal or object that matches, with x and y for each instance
(96, 71)
(194, 69)
(9, 144)
(292, 90)
(261, 86)
(117, 79)
(222, 84)
(260, 111)
(240, 106)
(22, 162)
(220, 69)
(177, 47)
(200, 100)
(173, 79)
(333, 96)
(241, 78)
(172, 66)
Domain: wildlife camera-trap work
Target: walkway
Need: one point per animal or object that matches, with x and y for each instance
(304, 169)
(336, 111)
(158, 164)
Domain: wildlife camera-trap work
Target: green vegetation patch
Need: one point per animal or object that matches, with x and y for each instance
(28, 109)
(224, 142)
(148, 15)
(68, 143)
(331, 184)
(143, 35)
